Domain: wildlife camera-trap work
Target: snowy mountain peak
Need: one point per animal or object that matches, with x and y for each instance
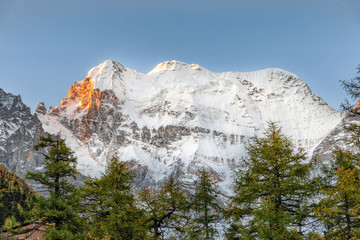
(6, 99)
(86, 93)
(270, 76)
(172, 65)
(182, 117)
(104, 67)
(107, 75)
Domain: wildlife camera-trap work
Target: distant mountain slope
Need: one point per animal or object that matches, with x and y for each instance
(337, 138)
(179, 118)
(19, 133)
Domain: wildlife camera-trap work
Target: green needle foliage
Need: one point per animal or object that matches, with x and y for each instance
(58, 211)
(16, 198)
(10, 223)
(339, 207)
(352, 88)
(206, 210)
(272, 191)
(339, 210)
(166, 208)
(110, 207)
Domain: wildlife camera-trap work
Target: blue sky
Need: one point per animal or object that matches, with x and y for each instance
(45, 46)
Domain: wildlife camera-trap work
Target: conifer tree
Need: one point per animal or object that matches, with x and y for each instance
(272, 191)
(352, 88)
(10, 223)
(59, 211)
(205, 209)
(339, 208)
(110, 207)
(166, 208)
(16, 197)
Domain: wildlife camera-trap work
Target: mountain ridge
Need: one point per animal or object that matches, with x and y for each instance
(19, 133)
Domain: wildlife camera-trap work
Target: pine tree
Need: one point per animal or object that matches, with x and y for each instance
(58, 211)
(110, 207)
(166, 208)
(272, 191)
(206, 210)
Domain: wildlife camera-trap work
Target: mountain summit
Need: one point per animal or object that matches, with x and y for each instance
(181, 117)
(172, 66)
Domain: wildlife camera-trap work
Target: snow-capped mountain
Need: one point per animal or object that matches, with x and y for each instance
(179, 118)
(19, 133)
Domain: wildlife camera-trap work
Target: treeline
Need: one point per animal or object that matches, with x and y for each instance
(106, 207)
(278, 194)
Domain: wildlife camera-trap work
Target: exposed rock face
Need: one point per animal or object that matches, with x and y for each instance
(40, 109)
(19, 133)
(337, 138)
(356, 108)
(180, 118)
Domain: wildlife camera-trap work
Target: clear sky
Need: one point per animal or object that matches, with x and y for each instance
(45, 46)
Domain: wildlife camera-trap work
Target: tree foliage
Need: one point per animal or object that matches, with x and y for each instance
(274, 197)
(16, 197)
(339, 209)
(110, 206)
(59, 211)
(352, 88)
(206, 211)
(272, 190)
(165, 208)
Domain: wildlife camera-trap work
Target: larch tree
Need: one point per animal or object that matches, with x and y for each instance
(110, 207)
(165, 208)
(272, 190)
(339, 207)
(206, 210)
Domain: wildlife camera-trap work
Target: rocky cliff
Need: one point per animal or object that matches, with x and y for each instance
(19, 133)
